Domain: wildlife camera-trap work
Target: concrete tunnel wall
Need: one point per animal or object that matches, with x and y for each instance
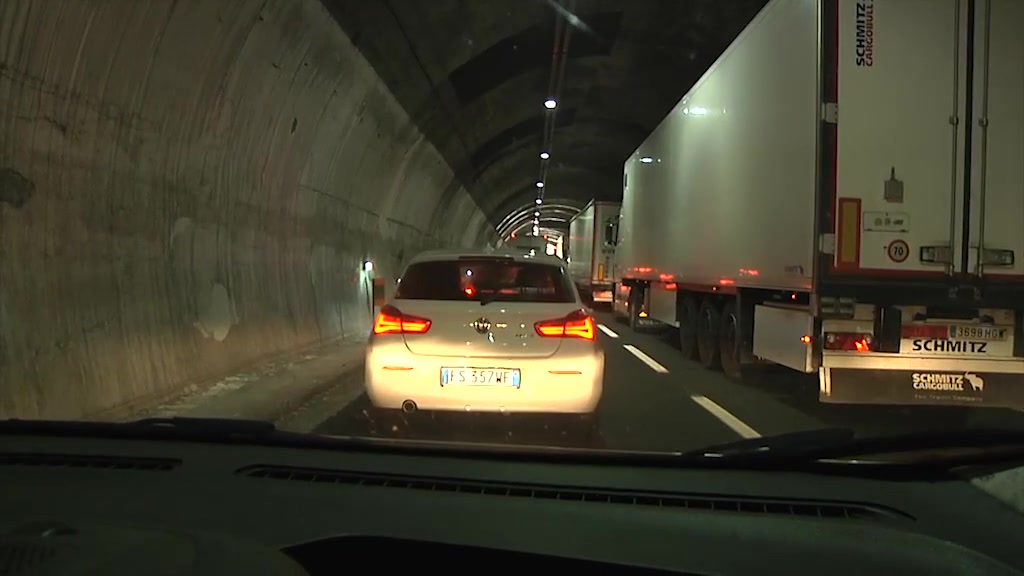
(187, 188)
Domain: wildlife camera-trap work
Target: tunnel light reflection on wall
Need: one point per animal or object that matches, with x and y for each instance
(550, 103)
(647, 159)
(544, 155)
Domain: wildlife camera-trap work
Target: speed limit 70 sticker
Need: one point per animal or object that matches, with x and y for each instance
(898, 251)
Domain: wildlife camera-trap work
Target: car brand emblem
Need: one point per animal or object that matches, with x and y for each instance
(482, 325)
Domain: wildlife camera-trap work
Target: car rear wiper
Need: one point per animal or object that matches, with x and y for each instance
(843, 444)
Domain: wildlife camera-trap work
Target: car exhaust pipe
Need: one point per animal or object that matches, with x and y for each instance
(408, 406)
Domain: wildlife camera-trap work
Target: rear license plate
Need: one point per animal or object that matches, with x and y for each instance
(987, 333)
(461, 376)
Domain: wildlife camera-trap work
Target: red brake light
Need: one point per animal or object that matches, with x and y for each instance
(575, 325)
(392, 321)
(851, 342)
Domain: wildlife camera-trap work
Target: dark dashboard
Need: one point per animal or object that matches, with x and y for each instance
(74, 505)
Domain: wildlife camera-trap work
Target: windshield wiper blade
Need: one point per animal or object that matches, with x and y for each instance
(783, 444)
(178, 425)
(842, 443)
(206, 425)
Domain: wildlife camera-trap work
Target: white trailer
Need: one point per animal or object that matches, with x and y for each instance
(527, 242)
(592, 238)
(842, 193)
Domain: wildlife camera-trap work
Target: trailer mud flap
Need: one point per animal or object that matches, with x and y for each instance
(910, 387)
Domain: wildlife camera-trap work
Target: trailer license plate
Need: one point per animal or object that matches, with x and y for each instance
(458, 376)
(987, 333)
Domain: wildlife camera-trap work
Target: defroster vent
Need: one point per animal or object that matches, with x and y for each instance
(806, 508)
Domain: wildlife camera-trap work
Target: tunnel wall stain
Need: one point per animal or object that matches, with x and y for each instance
(192, 187)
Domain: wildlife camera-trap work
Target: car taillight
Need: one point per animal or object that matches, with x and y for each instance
(849, 341)
(576, 325)
(392, 321)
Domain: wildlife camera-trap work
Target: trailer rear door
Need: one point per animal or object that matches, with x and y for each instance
(898, 154)
(910, 197)
(997, 202)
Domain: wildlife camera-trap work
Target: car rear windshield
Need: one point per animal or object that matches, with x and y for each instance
(490, 279)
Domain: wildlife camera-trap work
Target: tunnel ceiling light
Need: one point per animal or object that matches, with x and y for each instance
(536, 213)
(544, 155)
(540, 184)
(368, 266)
(647, 159)
(540, 201)
(550, 103)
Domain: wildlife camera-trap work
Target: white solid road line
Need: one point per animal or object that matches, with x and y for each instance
(611, 333)
(645, 359)
(737, 425)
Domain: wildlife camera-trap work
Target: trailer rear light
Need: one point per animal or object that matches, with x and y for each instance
(576, 325)
(936, 254)
(849, 341)
(392, 321)
(997, 257)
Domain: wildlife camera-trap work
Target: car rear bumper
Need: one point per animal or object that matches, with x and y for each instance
(547, 385)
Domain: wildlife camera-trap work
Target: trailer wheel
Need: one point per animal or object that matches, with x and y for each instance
(709, 321)
(688, 320)
(729, 341)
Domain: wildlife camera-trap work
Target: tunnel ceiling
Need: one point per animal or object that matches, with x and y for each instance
(473, 75)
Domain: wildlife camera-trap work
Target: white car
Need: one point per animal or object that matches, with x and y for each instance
(485, 332)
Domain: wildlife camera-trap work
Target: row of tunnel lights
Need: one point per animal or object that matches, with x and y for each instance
(550, 104)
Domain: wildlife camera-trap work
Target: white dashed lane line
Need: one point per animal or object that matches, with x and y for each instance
(651, 362)
(611, 333)
(737, 425)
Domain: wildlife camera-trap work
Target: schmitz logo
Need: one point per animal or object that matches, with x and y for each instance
(865, 34)
(945, 382)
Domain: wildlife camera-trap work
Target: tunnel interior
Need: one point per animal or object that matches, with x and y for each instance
(190, 188)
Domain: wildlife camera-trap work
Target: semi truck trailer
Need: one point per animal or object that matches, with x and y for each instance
(592, 239)
(842, 193)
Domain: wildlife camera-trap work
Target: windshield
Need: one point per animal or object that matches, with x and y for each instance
(639, 226)
(497, 280)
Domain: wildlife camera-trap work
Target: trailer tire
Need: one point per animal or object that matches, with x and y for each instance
(728, 341)
(708, 324)
(688, 319)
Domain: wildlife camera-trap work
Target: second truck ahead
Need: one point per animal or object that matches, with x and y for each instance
(842, 193)
(593, 234)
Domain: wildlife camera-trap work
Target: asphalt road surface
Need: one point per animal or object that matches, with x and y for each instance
(655, 400)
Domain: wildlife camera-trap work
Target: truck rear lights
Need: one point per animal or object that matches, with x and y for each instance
(849, 341)
(392, 321)
(578, 324)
